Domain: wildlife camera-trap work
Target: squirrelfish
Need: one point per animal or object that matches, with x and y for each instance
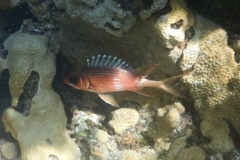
(105, 74)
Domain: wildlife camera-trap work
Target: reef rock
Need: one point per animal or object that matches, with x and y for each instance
(42, 134)
(106, 15)
(214, 82)
(172, 26)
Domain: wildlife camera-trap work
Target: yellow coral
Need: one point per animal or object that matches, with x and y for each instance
(214, 82)
(210, 85)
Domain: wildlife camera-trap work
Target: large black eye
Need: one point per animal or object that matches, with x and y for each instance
(73, 78)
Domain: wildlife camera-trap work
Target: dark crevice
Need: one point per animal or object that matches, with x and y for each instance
(135, 5)
(189, 33)
(3, 53)
(70, 97)
(16, 16)
(30, 89)
(177, 24)
(167, 9)
(233, 134)
(111, 27)
(224, 13)
(5, 99)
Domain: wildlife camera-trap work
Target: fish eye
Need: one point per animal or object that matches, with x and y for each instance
(74, 78)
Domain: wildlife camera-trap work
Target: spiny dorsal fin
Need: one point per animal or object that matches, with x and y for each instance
(108, 61)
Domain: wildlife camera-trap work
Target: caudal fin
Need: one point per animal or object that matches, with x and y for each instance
(171, 91)
(166, 87)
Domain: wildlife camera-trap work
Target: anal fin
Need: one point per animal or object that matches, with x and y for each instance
(108, 98)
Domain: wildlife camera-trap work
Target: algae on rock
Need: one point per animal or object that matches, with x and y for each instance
(42, 133)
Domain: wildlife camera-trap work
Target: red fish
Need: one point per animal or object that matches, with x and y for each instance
(106, 74)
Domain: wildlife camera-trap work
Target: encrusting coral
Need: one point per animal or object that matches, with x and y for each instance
(214, 85)
(215, 79)
(42, 134)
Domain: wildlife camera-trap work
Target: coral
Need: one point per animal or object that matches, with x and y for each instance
(155, 7)
(42, 134)
(123, 119)
(140, 154)
(214, 86)
(214, 82)
(105, 150)
(192, 153)
(9, 150)
(147, 153)
(172, 26)
(178, 145)
(129, 154)
(168, 33)
(106, 15)
(102, 136)
(172, 114)
(84, 123)
(168, 121)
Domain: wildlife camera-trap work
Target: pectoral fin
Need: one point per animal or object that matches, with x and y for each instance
(108, 99)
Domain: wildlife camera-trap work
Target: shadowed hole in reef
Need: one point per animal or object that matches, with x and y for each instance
(16, 16)
(224, 13)
(167, 9)
(30, 89)
(135, 6)
(5, 97)
(70, 97)
(233, 134)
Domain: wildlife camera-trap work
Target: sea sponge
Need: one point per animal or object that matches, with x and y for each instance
(42, 134)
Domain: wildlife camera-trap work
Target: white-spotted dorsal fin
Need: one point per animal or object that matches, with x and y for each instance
(108, 61)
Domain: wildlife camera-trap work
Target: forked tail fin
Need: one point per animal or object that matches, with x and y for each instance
(164, 85)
